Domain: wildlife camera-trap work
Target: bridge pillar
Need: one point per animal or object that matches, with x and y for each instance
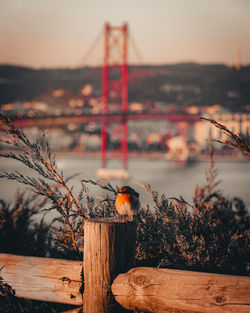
(112, 43)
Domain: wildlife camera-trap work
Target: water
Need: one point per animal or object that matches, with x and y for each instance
(163, 176)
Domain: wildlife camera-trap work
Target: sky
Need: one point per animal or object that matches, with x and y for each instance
(59, 33)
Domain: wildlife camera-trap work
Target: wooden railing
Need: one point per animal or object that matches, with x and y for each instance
(44, 279)
(108, 251)
(153, 290)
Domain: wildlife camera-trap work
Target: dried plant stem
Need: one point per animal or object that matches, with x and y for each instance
(237, 141)
(73, 238)
(58, 177)
(36, 159)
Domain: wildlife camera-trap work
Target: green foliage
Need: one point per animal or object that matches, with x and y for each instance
(211, 235)
(50, 183)
(19, 232)
(200, 239)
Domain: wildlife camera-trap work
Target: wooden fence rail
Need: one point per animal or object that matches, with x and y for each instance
(108, 251)
(44, 279)
(155, 290)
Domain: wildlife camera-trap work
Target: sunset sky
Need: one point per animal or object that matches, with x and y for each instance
(58, 33)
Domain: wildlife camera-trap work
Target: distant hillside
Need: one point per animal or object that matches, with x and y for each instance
(180, 84)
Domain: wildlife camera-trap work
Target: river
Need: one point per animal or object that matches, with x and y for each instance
(163, 176)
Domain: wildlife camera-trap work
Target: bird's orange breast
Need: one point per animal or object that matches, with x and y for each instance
(123, 198)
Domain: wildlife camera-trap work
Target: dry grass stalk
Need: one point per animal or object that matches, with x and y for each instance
(237, 141)
(50, 184)
(211, 234)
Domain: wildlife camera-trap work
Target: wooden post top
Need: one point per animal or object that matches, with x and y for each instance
(108, 220)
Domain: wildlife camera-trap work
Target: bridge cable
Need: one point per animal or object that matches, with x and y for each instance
(135, 48)
(90, 50)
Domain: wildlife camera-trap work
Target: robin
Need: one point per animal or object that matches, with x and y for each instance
(127, 201)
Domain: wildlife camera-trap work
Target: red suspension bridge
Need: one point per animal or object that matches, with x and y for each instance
(115, 62)
(116, 58)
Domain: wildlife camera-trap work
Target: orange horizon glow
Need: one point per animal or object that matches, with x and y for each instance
(42, 35)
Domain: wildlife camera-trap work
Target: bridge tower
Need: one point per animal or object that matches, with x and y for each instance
(115, 58)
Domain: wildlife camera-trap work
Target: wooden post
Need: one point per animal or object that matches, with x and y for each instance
(108, 251)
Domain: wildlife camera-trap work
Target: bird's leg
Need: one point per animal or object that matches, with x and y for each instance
(116, 215)
(131, 218)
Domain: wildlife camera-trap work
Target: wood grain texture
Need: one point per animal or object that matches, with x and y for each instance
(75, 310)
(108, 251)
(44, 279)
(157, 290)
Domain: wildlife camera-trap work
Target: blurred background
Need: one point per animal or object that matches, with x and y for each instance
(120, 87)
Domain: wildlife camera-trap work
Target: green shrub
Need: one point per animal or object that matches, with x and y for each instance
(19, 232)
(212, 235)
